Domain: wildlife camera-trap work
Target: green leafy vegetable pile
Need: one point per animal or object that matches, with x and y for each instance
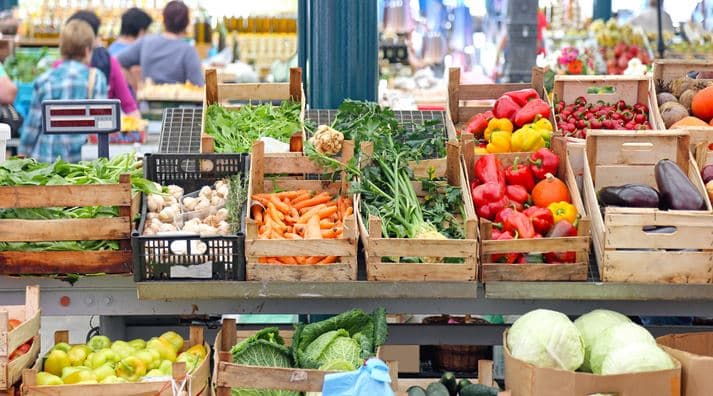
(25, 67)
(29, 172)
(340, 343)
(235, 131)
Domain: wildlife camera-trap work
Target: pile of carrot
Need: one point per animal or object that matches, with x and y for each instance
(300, 214)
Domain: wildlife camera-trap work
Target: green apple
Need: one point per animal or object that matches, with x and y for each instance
(78, 354)
(45, 378)
(107, 370)
(138, 344)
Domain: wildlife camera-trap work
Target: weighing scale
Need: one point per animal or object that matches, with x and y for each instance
(83, 117)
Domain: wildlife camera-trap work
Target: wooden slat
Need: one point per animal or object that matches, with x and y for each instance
(211, 88)
(666, 70)
(294, 164)
(564, 244)
(305, 247)
(631, 89)
(162, 388)
(342, 271)
(12, 230)
(253, 91)
(19, 335)
(657, 267)
(488, 91)
(626, 236)
(403, 247)
(422, 272)
(12, 371)
(89, 262)
(493, 272)
(63, 196)
(296, 84)
(250, 377)
(421, 168)
(453, 93)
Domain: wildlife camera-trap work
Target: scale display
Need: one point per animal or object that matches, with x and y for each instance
(81, 116)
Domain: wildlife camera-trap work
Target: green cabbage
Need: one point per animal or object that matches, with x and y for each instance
(546, 338)
(591, 325)
(614, 339)
(333, 346)
(636, 358)
(266, 349)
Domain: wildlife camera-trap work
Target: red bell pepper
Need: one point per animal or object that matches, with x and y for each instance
(530, 112)
(489, 199)
(519, 224)
(542, 162)
(517, 194)
(505, 107)
(520, 175)
(523, 96)
(489, 169)
(541, 218)
(508, 258)
(502, 215)
(563, 228)
(477, 123)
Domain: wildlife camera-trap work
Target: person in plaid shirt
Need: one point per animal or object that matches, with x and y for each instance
(73, 79)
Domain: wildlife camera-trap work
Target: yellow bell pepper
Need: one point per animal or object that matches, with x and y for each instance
(131, 368)
(499, 142)
(527, 139)
(497, 124)
(480, 150)
(545, 127)
(563, 211)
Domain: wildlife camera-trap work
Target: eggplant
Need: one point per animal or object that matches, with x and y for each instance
(677, 191)
(707, 173)
(630, 196)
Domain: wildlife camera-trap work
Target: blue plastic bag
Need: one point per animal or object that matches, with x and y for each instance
(372, 379)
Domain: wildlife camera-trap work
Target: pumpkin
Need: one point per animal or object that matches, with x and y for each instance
(550, 190)
(688, 122)
(702, 104)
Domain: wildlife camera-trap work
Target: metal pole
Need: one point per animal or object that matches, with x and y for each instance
(661, 46)
(602, 9)
(303, 28)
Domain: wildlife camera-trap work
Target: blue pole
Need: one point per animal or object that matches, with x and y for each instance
(342, 53)
(303, 29)
(602, 10)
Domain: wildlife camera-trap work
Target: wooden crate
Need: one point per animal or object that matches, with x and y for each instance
(64, 262)
(227, 375)
(277, 172)
(467, 100)
(216, 92)
(492, 272)
(378, 248)
(196, 384)
(625, 253)
(631, 89)
(485, 371)
(29, 314)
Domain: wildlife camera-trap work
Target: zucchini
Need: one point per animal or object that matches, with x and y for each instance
(449, 381)
(416, 391)
(462, 384)
(437, 389)
(478, 390)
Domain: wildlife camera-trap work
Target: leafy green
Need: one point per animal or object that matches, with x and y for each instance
(266, 349)
(25, 67)
(342, 337)
(235, 131)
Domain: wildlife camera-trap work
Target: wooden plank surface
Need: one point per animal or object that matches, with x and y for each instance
(253, 91)
(493, 272)
(250, 377)
(62, 196)
(421, 272)
(89, 262)
(211, 88)
(12, 230)
(657, 267)
(342, 271)
(564, 244)
(423, 247)
(303, 247)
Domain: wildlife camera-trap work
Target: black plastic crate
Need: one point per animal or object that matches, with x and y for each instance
(218, 257)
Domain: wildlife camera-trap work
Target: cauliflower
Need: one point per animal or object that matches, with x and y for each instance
(327, 140)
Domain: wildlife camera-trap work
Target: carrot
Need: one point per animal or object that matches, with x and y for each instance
(281, 206)
(312, 212)
(301, 197)
(294, 212)
(326, 224)
(313, 231)
(292, 235)
(256, 213)
(348, 212)
(272, 210)
(313, 260)
(262, 260)
(300, 228)
(273, 260)
(290, 194)
(327, 212)
(275, 234)
(287, 260)
(329, 234)
(328, 260)
(316, 200)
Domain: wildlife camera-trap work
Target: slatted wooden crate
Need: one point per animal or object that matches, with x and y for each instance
(631, 89)
(227, 375)
(196, 383)
(625, 252)
(222, 93)
(64, 262)
(381, 252)
(578, 271)
(467, 100)
(29, 329)
(268, 173)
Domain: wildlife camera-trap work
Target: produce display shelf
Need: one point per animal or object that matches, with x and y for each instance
(181, 130)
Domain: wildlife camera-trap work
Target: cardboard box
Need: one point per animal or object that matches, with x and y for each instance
(524, 379)
(408, 356)
(695, 352)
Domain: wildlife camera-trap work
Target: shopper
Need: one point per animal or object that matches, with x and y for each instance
(109, 66)
(166, 58)
(73, 78)
(134, 24)
(8, 89)
(648, 19)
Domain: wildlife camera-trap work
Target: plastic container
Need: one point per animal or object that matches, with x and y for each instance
(4, 137)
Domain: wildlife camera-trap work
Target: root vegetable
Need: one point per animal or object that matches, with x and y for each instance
(206, 192)
(687, 98)
(327, 140)
(665, 97)
(672, 112)
(169, 214)
(222, 214)
(189, 203)
(175, 191)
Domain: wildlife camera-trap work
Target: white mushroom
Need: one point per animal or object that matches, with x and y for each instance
(206, 192)
(203, 203)
(189, 203)
(212, 221)
(169, 214)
